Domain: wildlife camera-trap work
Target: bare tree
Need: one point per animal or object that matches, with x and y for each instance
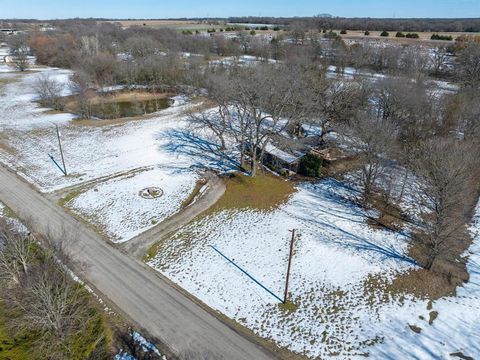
(469, 65)
(49, 302)
(463, 114)
(444, 167)
(80, 87)
(439, 60)
(142, 46)
(16, 253)
(49, 92)
(19, 52)
(373, 139)
(244, 40)
(414, 61)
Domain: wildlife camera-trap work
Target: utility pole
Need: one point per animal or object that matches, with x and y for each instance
(61, 151)
(289, 265)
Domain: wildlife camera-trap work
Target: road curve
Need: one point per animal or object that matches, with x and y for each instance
(148, 299)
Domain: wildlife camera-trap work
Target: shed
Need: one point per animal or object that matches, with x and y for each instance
(279, 159)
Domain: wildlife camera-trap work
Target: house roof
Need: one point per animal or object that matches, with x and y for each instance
(280, 154)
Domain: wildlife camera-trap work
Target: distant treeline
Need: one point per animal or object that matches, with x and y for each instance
(433, 25)
(316, 22)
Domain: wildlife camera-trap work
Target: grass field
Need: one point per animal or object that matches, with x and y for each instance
(423, 36)
(172, 24)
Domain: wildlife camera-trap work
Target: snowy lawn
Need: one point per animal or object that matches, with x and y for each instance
(336, 255)
(117, 209)
(91, 150)
(105, 160)
(341, 268)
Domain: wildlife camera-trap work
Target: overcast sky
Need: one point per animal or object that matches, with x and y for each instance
(52, 9)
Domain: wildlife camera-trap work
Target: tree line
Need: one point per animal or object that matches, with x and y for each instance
(371, 24)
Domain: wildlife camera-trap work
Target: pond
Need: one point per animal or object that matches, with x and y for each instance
(126, 108)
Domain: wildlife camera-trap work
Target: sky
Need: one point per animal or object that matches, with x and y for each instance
(120, 9)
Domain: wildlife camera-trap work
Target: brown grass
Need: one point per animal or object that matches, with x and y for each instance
(71, 104)
(423, 36)
(343, 165)
(263, 192)
(196, 190)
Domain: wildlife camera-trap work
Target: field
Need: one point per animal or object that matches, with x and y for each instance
(171, 24)
(423, 36)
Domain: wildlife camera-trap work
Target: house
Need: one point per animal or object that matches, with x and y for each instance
(8, 31)
(279, 160)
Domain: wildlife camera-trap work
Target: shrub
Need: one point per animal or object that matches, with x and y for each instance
(367, 33)
(311, 166)
(385, 34)
(343, 32)
(330, 35)
(412, 36)
(400, 35)
(253, 33)
(441, 37)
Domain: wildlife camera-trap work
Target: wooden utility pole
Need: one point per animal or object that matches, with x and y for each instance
(61, 151)
(289, 265)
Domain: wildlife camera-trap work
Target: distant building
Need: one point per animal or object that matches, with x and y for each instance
(9, 31)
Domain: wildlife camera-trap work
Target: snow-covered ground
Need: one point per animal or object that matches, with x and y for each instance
(11, 220)
(116, 207)
(455, 330)
(96, 157)
(335, 255)
(342, 311)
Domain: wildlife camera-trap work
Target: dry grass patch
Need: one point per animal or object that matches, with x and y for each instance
(262, 192)
(193, 195)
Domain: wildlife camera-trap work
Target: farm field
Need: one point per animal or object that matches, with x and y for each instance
(423, 35)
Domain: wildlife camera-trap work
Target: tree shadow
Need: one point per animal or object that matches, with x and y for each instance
(353, 213)
(204, 153)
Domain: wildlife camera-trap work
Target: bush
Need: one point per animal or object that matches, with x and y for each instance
(412, 36)
(311, 166)
(343, 32)
(441, 37)
(253, 33)
(330, 35)
(400, 35)
(385, 34)
(367, 33)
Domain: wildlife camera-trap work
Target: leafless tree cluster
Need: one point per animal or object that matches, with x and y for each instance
(330, 22)
(19, 52)
(445, 167)
(254, 105)
(43, 301)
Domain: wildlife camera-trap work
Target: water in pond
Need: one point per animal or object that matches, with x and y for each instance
(121, 109)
